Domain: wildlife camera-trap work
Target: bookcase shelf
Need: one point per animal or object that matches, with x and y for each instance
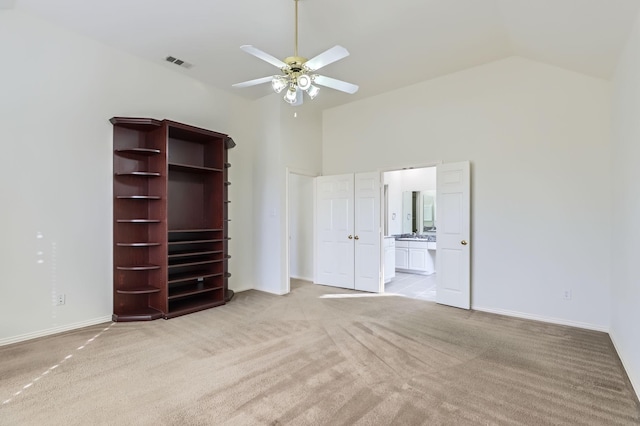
(138, 197)
(170, 218)
(141, 244)
(139, 173)
(139, 290)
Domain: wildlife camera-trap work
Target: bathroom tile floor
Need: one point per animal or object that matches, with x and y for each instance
(416, 286)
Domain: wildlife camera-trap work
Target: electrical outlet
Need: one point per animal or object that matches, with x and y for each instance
(566, 294)
(60, 299)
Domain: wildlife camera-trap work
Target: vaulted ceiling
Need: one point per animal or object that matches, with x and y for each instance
(392, 43)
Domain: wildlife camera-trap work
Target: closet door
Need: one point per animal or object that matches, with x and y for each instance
(367, 225)
(334, 231)
(348, 231)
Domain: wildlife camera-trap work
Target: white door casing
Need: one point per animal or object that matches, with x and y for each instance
(367, 232)
(334, 221)
(453, 234)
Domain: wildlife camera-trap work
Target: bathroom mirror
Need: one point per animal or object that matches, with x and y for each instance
(428, 210)
(418, 211)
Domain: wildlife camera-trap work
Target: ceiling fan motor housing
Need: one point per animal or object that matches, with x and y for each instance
(295, 63)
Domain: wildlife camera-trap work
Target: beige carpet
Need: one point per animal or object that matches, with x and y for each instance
(305, 359)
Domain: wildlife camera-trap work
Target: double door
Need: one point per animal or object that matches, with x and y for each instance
(348, 233)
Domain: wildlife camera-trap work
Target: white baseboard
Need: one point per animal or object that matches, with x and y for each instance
(301, 278)
(54, 330)
(551, 320)
(241, 289)
(634, 385)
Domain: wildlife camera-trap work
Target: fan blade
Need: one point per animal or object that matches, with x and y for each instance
(327, 57)
(264, 56)
(332, 83)
(299, 97)
(253, 82)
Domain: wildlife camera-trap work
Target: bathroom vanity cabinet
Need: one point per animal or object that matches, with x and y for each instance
(415, 256)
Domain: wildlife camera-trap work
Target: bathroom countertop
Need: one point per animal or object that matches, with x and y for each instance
(423, 237)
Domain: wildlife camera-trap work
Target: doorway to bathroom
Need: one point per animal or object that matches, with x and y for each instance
(427, 220)
(409, 223)
(439, 249)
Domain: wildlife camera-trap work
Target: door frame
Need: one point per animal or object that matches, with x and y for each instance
(294, 171)
(381, 171)
(434, 163)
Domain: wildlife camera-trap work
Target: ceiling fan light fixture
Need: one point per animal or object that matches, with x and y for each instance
(313, 91)
(299, 73)
(278, 83)
(304, 81)
(291, 96)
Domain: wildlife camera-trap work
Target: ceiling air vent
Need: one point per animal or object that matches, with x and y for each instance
(178, 62)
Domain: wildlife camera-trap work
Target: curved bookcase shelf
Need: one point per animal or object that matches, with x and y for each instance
(136, 123)
(143, 313)
(138, 197)
(142, 244)
(140, 173)
(142, 221)
(138, 151)
(139, 290)
(137, 267)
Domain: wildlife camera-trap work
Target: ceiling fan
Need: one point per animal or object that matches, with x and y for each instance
(298, 73)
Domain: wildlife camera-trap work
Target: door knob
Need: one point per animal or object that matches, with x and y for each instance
(464, 242)
(356, 237)
(350, 237)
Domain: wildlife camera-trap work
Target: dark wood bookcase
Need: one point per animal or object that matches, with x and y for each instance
(170, 219)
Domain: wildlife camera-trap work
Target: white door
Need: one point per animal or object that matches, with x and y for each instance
(452, 235)
(334, 241)
(367, 232)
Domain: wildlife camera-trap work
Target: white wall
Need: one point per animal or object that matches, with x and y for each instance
(538, 140)
(301, 226)
(268, 181)
(625, 288)
(56, 98)
(421, 179)
(302, 153)
(283, 141)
